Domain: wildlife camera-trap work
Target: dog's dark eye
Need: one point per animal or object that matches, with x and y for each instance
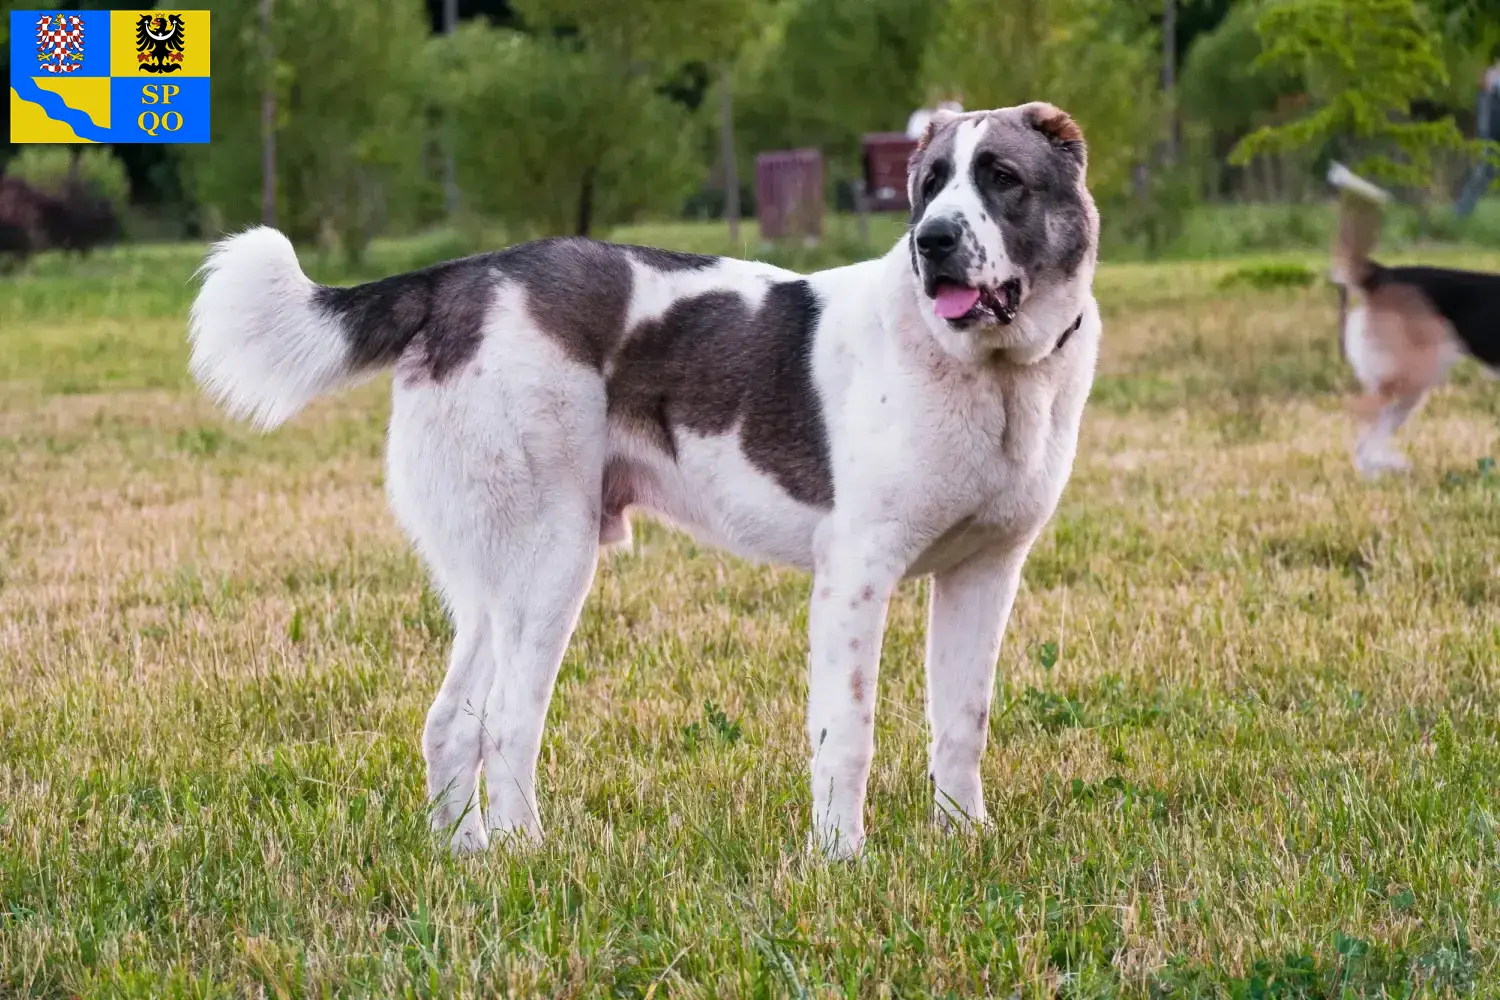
(1003, 177)
(930, 185)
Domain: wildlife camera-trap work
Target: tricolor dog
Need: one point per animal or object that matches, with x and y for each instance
(912, 415)
(1408, 327)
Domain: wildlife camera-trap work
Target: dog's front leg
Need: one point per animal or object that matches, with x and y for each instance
(853, 580)
(966, 619)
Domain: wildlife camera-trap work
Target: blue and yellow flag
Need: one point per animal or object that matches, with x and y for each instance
(109, 76)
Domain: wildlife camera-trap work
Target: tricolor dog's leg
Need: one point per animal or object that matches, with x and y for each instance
(855, 573)
(969, 607)
(1376, 451)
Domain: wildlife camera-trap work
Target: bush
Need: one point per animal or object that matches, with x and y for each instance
(47, 168)
(1267, 277)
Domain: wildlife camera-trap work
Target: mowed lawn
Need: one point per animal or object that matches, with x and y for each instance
(1244, 743)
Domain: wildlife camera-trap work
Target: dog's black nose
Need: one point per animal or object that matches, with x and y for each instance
(938, 238)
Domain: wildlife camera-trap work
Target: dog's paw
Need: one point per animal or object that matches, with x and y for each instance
(830, 844)
(951, 819)
(469, 840)
(466, 836)
(518, 836)
(1374, 465)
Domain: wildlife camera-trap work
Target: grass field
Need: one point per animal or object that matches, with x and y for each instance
(1244, 744)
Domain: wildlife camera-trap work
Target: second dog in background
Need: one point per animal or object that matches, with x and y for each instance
(1408, 325)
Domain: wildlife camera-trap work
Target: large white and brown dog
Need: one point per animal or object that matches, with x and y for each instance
(914, 414)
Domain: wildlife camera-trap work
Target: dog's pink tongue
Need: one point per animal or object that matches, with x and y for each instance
(953, 301)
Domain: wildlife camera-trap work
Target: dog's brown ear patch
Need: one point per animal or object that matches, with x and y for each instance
(1058, 126)
(926, 138)
(1056, 123)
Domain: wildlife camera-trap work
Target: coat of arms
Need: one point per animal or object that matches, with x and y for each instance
(59, 42)
(158, 42)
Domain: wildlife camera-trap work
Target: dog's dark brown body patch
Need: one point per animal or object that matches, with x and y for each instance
(436, 314)
(672, 260)
(711, 363)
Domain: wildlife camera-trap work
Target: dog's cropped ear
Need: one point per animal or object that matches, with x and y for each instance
(937, 121)
(913, 162)
(1059, 128)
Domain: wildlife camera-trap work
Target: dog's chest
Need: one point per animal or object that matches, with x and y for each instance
(971, 467)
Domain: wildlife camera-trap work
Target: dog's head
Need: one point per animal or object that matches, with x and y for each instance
(1000, 217)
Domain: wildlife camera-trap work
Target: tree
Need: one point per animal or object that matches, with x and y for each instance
(827, 71)
(1362, 64)
(654, 39)
(1096, 59)
(552, 138)
(348, 132)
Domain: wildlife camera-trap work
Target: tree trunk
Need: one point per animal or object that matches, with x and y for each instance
(1169, 77)
(586, 203)
(267, 120)
(450, 173)
(726, 152)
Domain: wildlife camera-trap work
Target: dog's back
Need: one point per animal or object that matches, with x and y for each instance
(1468, 300)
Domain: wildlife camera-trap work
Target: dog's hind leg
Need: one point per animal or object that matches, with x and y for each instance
(450, 741)
(495, 472)
(552, 564)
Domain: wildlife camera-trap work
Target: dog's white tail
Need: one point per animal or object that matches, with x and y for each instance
(262, 347)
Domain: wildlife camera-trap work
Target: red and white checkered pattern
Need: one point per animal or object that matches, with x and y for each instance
(59, 50)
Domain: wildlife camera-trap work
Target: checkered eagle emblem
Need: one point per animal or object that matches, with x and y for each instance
(59, 42)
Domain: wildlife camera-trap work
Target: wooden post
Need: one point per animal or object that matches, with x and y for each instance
(267, 120)
(726, 150)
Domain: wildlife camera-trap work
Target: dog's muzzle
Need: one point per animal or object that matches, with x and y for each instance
(946, 279)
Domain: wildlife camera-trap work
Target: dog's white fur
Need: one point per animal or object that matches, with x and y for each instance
(948, 459)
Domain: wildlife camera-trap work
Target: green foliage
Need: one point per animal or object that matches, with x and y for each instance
(1095, 59)
(662, 34)
(350, 137)
(716, 725)
(549, 133)
(1224, 83)
(1362, 63)
(827, 71)
(47, 167)
(1269, 276)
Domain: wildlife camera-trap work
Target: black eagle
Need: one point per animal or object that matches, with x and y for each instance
(158, 42)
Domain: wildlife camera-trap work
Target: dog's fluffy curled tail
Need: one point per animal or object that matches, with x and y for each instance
(1360, 204)
(264, 343)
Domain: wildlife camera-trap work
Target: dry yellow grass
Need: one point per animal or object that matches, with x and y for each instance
(1245, 734)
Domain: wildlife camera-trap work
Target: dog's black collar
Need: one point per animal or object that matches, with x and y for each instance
(1068, 333)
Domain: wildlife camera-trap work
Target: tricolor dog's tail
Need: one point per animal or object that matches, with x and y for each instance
(267, 340)
(1360, 204)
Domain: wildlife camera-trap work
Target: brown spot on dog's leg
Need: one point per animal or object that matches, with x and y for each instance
(854, 644)
(868, 594)
(857, 687)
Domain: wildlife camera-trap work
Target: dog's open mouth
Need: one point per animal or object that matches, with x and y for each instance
(961, 305)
